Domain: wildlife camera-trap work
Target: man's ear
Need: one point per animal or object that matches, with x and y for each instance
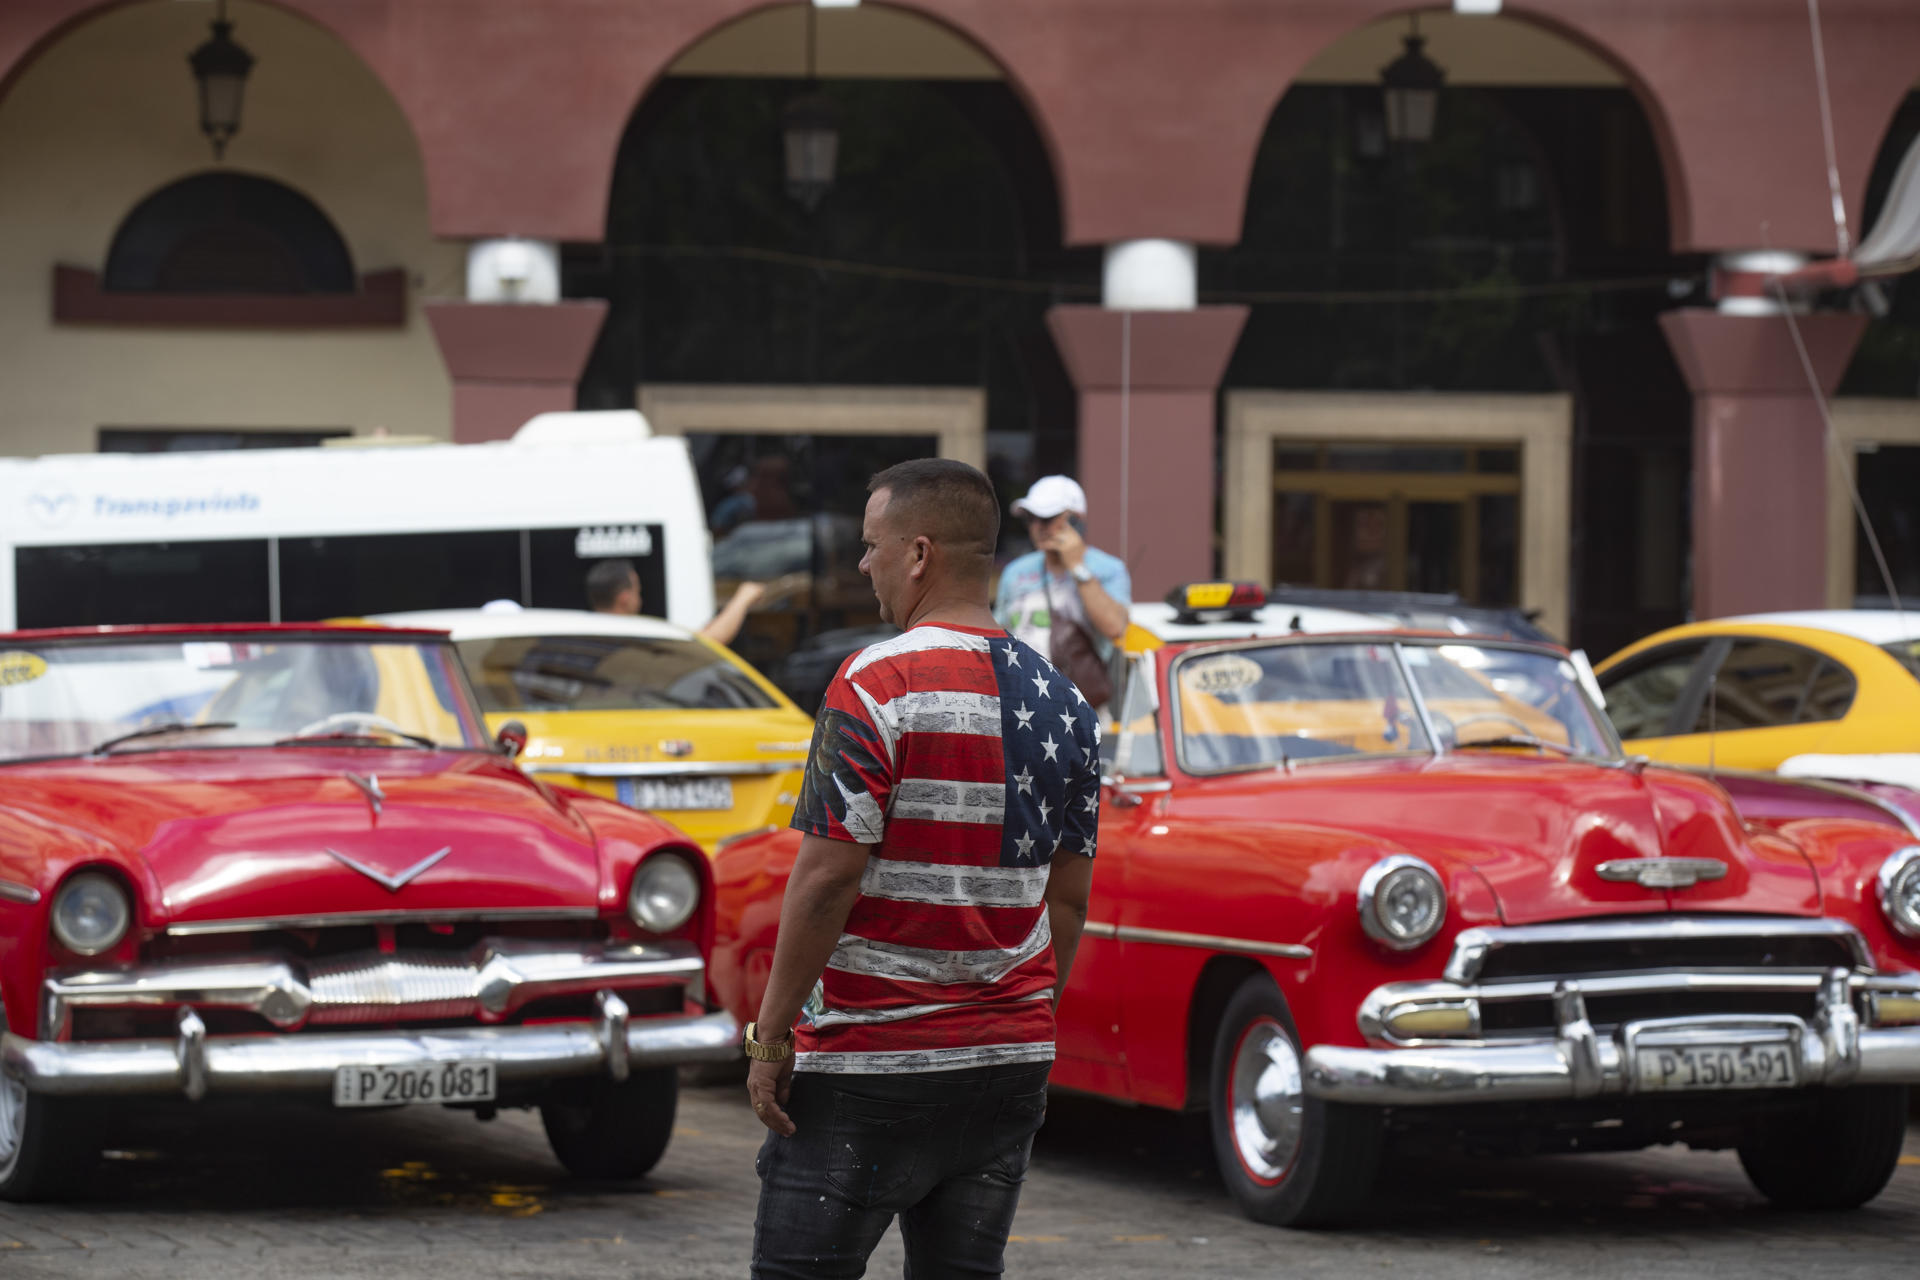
(922, 557)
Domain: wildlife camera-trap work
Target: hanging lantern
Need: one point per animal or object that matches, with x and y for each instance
(1411, 86)
(221, 66)
(812, 129)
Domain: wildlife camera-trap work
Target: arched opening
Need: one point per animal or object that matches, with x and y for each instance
(267, 297)
(1878, 414)
(228, 233)
(1407, 293)
(922, 272)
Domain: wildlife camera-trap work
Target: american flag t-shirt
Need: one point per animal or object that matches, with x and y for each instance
(966, 762)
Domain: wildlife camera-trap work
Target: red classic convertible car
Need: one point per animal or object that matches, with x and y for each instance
(1361, 889)
(287, 860)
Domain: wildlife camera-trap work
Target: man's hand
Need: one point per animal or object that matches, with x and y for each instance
(768, 1084)
(1062, 542)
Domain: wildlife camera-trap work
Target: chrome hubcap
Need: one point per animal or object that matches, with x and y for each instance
(1268, 1101)
(13, 1118)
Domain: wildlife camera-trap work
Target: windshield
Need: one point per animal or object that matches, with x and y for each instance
(1908, 652)
(69, 698)
(607, 673)
(1478, 694)
(1287, 703)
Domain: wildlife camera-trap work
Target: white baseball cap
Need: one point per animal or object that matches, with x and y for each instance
(1050, 496)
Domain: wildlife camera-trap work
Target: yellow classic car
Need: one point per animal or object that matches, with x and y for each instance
(1831, 693)
(635, 709)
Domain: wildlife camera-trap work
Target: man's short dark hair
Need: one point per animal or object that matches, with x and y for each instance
(606, 580)
(948, 501)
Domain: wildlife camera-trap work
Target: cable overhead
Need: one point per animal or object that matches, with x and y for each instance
(1091, 289)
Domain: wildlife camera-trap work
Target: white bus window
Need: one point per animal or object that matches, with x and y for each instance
(391, 572)
(558, 561)
(143, 582)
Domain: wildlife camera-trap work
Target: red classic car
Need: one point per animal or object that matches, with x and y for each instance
(1361, 889)
(246, 860)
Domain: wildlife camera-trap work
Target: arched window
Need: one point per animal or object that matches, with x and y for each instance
(228, 233)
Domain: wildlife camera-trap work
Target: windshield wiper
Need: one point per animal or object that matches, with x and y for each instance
(1517, 740)
(156, 730)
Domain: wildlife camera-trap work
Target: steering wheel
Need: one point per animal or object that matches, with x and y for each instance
(334, 725)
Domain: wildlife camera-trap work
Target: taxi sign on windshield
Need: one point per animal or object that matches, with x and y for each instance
(1238, 598)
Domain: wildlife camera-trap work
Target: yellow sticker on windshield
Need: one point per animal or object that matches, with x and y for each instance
(17, 667)
(1228, 673)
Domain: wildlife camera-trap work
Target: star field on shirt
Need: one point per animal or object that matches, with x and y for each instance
(927, 750)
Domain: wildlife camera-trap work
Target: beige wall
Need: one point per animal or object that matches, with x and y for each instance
(1541, 425)
(107, 116)
(1858, 424)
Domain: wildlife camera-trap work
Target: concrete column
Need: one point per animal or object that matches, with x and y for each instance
(1147, 383)
(1759, 452)
(512, 347)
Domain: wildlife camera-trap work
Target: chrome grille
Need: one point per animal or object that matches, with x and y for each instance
(1656, 943)
(1657, 967)
(392, 986)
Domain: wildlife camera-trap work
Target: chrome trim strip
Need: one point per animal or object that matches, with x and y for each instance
(266, 924)
(680, 769)
(1205, 941)
(24, 894)
(489, 982)
(307, 1062)
(1472, 946)
(1099, 929)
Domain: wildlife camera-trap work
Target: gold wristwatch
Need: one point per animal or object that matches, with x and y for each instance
(766, 1052)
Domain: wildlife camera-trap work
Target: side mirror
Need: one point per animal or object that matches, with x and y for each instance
(511, 739)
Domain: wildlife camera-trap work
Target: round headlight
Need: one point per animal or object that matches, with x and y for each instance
(665, 891)
(1402, 902)
(1900, 890)
(91, 913)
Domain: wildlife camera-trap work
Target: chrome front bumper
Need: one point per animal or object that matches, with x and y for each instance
(1833, 1048)
(487, 987)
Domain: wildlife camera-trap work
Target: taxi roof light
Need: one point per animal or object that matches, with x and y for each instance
(1237, 599)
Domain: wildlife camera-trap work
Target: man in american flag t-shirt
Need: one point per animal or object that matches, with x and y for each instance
(949, 808)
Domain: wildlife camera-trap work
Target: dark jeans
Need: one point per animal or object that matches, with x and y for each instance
(946, 1151)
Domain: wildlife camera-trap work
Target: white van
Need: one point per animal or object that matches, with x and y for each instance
(302, 534)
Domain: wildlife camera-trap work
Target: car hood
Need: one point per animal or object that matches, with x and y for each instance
(225, 835)
(1538, 831)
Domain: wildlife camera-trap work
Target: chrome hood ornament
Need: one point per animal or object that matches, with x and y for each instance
(369, 785)
(1663, 873)
(393, 884)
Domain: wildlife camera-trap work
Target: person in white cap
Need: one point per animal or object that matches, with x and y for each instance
(1063, 574)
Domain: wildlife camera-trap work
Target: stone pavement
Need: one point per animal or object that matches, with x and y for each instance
(259, 1190)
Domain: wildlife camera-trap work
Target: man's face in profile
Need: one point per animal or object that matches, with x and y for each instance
(628, 601)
